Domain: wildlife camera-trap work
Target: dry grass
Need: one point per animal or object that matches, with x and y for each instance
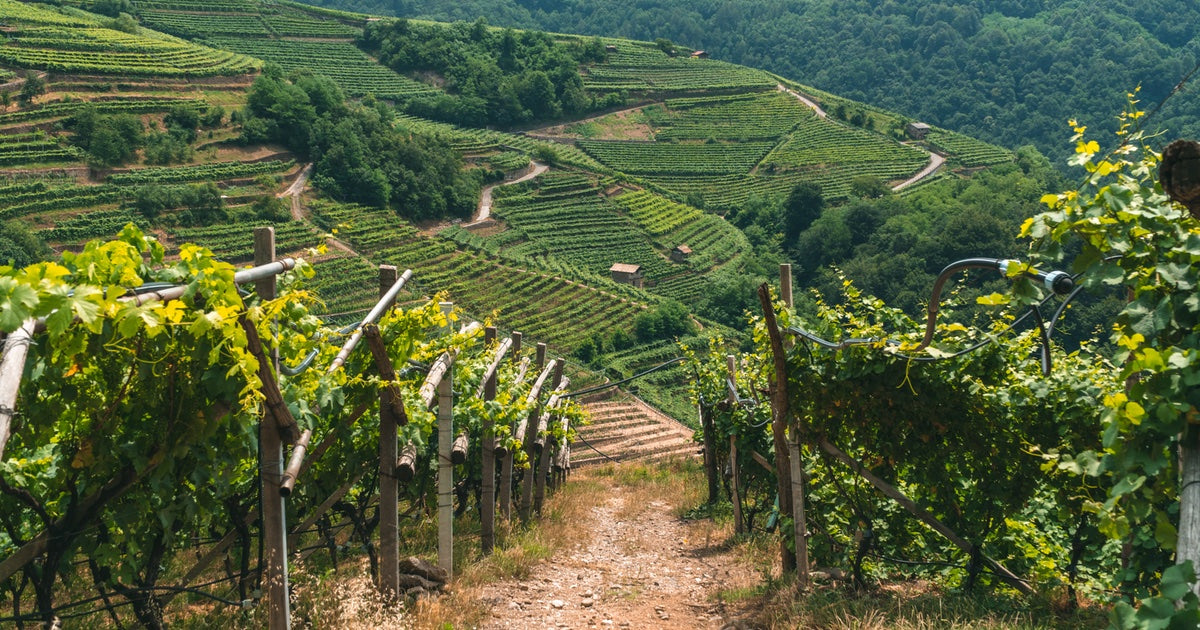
(519, 549)
(908, 605)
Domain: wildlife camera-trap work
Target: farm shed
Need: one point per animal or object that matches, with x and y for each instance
(681, 253)
(627, 274)
(916, 130)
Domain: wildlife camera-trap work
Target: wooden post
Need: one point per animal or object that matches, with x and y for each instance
(389, 487)
(12, 369)
(739, 523)
(1188, 545)
(710, 453)
(445, 475)
(785, 284)
(506, 470)
(487, 491)
(279, 616)
(527, 429)
(800, 515)
(779, 422)
(540, 443)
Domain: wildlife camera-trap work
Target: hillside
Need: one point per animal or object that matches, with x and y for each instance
(648, 146)
(1010, 72)
(213, 365)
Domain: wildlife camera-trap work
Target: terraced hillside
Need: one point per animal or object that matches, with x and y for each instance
(629, 430)
(690, 139)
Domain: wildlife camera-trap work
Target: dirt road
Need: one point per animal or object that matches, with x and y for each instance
(485, 198)
(636, 565)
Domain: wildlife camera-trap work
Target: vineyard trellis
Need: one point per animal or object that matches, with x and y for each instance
(252, 344)
(839, 406)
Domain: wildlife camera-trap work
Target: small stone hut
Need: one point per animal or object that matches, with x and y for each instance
(916, 130)
(627, 274)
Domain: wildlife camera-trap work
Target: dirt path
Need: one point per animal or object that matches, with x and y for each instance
(484, 209)
(295, 189)
(803, 99)
(636, 565)
(935, 161)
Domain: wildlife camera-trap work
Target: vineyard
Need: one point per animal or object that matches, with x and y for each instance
(967, 150)
(741, 117)
(639, 66)
(60, 109)
(348, 66)
(201, 433)
(129, 480)
(528, 300)
(46, 40)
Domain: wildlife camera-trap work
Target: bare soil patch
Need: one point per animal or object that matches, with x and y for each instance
(635, 564)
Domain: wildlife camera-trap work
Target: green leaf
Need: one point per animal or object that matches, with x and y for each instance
(1165, 533)
(17, 301)
(1128, 484)
(1177, 581)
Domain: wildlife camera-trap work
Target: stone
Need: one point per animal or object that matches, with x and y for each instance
(558, 603)
(408, 580)
(429, 571)
(587, 602)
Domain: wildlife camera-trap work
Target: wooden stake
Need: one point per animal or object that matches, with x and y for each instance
(12, 369)
(279, 616)
(506, 468)
(487, 491)
(445, 476)
(389, 422)
(1188, 545)
(527, 429)
(797, 560)
(739, 525)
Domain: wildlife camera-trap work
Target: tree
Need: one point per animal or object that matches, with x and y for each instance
(668, 320)
(185, 119)
(803, 206)
(33, 87)
(868, 187)
(112, 8)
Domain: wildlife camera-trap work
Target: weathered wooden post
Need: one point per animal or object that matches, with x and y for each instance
(527, 429)
(506, 470)
(739, 524)
(487, 441)
(779, 422)
(445, 467)
(389, 486)
(540, 442)
(274, 524)
(12, 368)
(710, 453)
(799, 516)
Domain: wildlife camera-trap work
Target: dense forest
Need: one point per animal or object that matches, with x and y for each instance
(1011, 72)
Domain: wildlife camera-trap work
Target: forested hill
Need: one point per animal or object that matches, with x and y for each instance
(1008, 71)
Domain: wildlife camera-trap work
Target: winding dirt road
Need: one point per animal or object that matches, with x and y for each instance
(803, 99)
(935, 161)
(484, 210)
(295, 189)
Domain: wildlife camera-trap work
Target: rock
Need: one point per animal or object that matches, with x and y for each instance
(417, 566)
(417, 593)
(407, 580)
(558, 603)
(587, 602)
